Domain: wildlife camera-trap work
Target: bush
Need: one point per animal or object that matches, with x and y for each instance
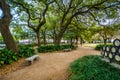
(93, 68)
(99, 46)
(66, 47)
(26, 51)
(50, 48)
(30, 45)
(7, 56)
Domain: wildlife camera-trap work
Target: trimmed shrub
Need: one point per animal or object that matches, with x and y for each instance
(30, 45)
(26, 51)
(93, 68)
(51, 48)
(100, 46)
(7, 56)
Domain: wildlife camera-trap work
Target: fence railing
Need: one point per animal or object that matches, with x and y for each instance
(112, 53)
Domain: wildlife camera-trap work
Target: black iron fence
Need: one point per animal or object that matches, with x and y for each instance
(112, 53)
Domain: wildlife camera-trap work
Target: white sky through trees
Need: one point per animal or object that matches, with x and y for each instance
(1, 13)
(66, 1)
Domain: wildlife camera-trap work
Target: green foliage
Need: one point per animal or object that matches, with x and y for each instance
(50, 48)
(1, 38)
(26, 51)
(99, 46)
(93, 68)
(7, 57)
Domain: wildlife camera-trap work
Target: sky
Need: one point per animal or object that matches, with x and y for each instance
(0, 13)
(66, 1)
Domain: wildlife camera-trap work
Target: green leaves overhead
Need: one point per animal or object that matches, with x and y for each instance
(62, 16)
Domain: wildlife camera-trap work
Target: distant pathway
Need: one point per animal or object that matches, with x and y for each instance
(51, 66)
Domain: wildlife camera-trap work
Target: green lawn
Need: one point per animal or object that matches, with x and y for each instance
(90, 45)
(93, 68)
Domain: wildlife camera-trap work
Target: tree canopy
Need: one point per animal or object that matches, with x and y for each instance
(61, 18)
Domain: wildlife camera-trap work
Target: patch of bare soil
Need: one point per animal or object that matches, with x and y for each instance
(50, 66)
(13, 67)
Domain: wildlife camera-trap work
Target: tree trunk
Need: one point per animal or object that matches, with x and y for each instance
(105, 41)
(9, 41)
(38, 38)
(54, 40)
(76, 40)
(57, 40)
(71, 40)
(44, 38)
(4, 27)
(81, 41)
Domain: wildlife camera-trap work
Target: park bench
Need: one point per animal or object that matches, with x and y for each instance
(31, 59)
(67, 50)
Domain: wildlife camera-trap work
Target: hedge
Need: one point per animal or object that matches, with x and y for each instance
(100, 46)
(51, 48)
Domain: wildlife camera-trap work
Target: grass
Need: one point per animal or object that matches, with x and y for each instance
(90, 45)
(93, 68)
(93, 45)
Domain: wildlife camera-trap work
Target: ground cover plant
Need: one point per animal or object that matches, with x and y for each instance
(93, 68)
(26, 51)
(8, 56)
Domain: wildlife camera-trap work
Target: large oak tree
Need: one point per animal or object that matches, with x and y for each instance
(35, 14)
(70, 9)
(4, 26)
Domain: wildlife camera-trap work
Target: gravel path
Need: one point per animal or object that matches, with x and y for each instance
(50, 66)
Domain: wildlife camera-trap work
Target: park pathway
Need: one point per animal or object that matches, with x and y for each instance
(50, 66)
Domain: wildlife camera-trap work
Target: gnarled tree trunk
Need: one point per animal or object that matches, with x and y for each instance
(105, 41)
(76, 40)
(4, 27)
(57, 40)
(71, 40)
(44, 39)
(38, 38)
(81, 40)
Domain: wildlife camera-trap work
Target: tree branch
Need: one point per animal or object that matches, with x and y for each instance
(27, 11)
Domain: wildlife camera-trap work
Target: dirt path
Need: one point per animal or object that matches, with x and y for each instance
(51, 66)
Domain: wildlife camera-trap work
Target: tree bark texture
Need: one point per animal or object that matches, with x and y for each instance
(4, 27)
(38, 38)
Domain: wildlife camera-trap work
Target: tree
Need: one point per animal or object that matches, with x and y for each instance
(4, 26)
(70, 9)
(20, 33)
(107, 32)
(43, 33)
(81, 31)
(36, 16)
(52, 24)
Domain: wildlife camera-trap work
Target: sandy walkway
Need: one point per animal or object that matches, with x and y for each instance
(51, 66)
